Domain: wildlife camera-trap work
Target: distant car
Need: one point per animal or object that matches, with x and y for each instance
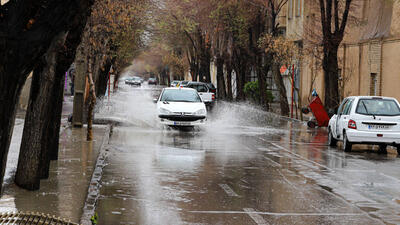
(181, 107)
(183, 83)
(152, 80)
(206, 95)
(133, 81)
(174, 83)
(366, 120)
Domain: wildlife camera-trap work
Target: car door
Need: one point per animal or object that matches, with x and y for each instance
(345, 117)
(338, 116)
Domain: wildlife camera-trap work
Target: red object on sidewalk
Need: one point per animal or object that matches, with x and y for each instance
(319, 112)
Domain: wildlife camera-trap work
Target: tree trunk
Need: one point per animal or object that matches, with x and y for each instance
(240, 70)
(220, 78)
(229, 94)
(262, 83)
(204, 71)
(53, 126)
(102, 80)
(205, 58)
(194, 69)
(31, 151)
(282, 91)
(21, 47)
(92, 101)
(10, 89)
(330, 66)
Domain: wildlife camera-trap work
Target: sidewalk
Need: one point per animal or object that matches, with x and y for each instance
(64, 193)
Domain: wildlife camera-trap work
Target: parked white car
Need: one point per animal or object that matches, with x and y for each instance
(366, 120)
(181, 107)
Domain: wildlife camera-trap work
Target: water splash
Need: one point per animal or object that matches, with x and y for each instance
(133, 106)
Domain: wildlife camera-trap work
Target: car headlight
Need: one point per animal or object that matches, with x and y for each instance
(165, 111)
(200, 112)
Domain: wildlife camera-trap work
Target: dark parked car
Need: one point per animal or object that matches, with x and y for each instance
(152, 80)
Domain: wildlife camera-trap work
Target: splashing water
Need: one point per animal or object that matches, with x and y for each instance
(133, 106)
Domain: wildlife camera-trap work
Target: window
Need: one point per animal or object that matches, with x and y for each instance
(201, 88)
(290, 9)
(378, 107)
(347, 107)
(341, 107)
(298, 7)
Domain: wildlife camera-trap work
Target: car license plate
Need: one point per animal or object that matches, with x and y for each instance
(182, 123)
(378, 127)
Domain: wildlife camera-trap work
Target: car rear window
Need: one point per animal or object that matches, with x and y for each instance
(210, 85)
(378, 107)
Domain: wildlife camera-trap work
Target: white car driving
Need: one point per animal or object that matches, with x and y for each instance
(366, 120)
(181, 107)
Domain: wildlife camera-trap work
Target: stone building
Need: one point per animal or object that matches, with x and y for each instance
(369, 55)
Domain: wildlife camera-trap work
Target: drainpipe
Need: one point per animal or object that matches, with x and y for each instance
(380, 70)
(291, 114)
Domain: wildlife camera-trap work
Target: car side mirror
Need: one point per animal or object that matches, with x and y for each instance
(155, 100)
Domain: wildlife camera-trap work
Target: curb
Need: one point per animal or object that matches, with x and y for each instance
(291, 119)
(95, 182)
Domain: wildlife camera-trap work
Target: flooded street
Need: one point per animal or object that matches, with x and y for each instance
(244, 167)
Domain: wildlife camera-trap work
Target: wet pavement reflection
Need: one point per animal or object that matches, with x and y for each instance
(244, 167)
(63, 194)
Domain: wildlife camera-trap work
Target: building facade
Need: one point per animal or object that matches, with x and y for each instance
(368, 55)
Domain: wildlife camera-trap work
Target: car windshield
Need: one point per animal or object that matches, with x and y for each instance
(184, 82)
(378, 107)
(180, 95)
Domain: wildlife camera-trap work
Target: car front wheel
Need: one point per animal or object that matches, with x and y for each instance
(346, 143)
(331, 140)
(398, 150)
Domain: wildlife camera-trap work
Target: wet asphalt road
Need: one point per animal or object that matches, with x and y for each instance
(244, 167)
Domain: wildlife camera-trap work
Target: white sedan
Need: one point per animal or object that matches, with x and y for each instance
(366, 120)
(181, 107)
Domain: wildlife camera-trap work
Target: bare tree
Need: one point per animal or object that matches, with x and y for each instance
(333, 30)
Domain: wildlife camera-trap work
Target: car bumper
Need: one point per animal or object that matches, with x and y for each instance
(174, 120)
(368, 137)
